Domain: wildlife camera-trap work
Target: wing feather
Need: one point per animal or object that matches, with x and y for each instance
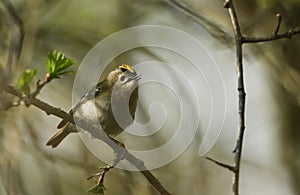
(91, 94)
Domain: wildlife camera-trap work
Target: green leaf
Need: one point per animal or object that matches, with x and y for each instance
(57, 62)
(25, 80)
(97, 189)
(66, 72)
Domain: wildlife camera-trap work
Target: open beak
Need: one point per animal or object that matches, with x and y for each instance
(135, 78)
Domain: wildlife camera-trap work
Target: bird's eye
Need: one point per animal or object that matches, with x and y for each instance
(122, 78)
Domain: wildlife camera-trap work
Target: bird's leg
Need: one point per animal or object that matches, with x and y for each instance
(117, 142)
(119, 152)
(99, 187)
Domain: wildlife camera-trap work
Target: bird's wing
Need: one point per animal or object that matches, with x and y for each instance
(90, 95)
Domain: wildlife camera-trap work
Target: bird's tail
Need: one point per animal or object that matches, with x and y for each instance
(58, 137)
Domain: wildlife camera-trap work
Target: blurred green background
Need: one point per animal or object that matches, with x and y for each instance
(271, 156)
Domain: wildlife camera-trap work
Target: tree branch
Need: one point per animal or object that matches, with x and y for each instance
(279, 18)
(241, 93)
(50, 110)
(211, 27)
(16, 39)
(40, 84)
(273, 37)
(226, 166)
(239, 41)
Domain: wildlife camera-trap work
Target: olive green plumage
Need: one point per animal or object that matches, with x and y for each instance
(113, 97)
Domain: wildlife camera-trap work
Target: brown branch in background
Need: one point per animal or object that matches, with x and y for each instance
(17, 36)
(211, 27)
(239, 41)
(50, 110)
(10, 90)
(241, 93)
(273, 37)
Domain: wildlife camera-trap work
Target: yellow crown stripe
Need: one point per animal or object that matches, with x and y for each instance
(127, 67)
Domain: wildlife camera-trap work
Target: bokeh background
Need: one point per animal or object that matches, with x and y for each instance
(271, 155)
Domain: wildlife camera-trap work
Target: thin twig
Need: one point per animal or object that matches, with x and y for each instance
(226, 166)
(50, 110)
(101, 175)
(94, 175)
(8, 105)
(279, 18)
(119, 156)
(273, 37)
(40, 84)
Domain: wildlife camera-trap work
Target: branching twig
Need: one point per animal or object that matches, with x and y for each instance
(40, 84)
(239, 41)
(139, 164)
(226, 166)
(273, 37)
(100, 183)
(7, 105)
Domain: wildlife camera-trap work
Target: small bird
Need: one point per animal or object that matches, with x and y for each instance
(119, 89)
